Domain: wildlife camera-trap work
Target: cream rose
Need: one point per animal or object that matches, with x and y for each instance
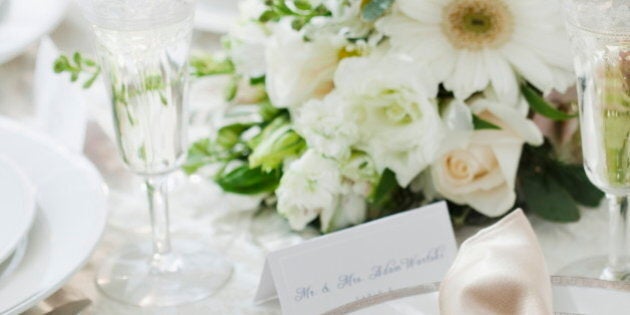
(482, 172)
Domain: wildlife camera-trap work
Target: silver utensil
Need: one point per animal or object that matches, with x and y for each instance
(63, 302)
(71, 308)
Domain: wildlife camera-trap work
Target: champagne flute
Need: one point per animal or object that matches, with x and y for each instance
(143, 47)
(600, 34)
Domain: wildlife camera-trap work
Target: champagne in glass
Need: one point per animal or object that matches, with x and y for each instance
(143, 47)
(600, 34)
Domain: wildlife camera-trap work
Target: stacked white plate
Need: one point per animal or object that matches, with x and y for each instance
(52, 215)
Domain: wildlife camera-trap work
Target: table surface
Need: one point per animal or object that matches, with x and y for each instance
(200, 210)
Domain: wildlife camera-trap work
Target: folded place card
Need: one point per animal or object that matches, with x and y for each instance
(399, 251)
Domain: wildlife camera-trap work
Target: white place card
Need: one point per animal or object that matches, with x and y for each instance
(399, 251)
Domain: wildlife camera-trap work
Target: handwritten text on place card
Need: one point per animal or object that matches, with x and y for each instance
(399, 251)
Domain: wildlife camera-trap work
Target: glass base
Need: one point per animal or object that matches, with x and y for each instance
(595, 267)
(136, 277)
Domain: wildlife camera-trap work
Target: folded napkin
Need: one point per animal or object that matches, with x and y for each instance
(60, 109)
(500, 270)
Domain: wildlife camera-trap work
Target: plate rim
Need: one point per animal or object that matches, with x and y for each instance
(90, 171)
(31, 205)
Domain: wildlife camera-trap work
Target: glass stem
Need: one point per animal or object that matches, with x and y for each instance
(158, 207)
(618, 227)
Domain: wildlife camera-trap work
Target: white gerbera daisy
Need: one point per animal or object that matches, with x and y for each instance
(473, 43)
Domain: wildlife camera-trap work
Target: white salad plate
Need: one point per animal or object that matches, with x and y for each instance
(216, 16)
(23, 22)
(571, 295)
(70, 218)
(17, 207)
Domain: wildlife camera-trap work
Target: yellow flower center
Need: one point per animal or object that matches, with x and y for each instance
(477, 24)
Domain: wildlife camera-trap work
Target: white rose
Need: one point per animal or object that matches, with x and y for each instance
(391, 102)
(298, 70)
(310, 186)
(482, 173)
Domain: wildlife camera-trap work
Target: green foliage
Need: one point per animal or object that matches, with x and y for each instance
(236, 143)
(208, 151)
(301, 12)
(275, 143)
(231, 89)
(76, 66)
(480, 124)
(384, 190)
(389, 198)
(208, 65)
(541, 106)
(248, 181)
(371, 10)
(553, 189)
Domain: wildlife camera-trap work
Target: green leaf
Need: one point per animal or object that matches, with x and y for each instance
(199, 155)
(248, 181)
(480, 124)
(231, 89)
(547, 198)
(257, 80)
(541, 106)
(385, 188)
(276, 142)
(229, 136)
(87, 84)
(268, 111)
(574, 180)
(302, 5)
(374, 9)
(77, 58)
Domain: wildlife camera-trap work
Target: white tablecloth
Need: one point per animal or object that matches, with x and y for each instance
(201, 211)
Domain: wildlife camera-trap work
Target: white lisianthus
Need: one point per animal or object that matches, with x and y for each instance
(482, 172)
(309, 187)
(390, 102)
(298, 70)
(350, 210)
(359, 177)
(324, 126)
(248, 41)
(471, 44)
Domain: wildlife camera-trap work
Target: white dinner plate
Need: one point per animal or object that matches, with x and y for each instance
(17, 206)
(23, 22)
(69, 222)
(216, 16)
(571, 295)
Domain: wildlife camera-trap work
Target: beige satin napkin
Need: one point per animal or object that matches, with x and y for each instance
(500, 270)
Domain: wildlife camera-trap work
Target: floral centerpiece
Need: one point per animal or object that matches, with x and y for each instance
(343, 111)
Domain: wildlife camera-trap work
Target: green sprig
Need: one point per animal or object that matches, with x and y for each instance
(76, 66)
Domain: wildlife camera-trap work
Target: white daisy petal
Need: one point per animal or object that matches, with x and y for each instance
(469, 75)
(502, 76)
(529, 66)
